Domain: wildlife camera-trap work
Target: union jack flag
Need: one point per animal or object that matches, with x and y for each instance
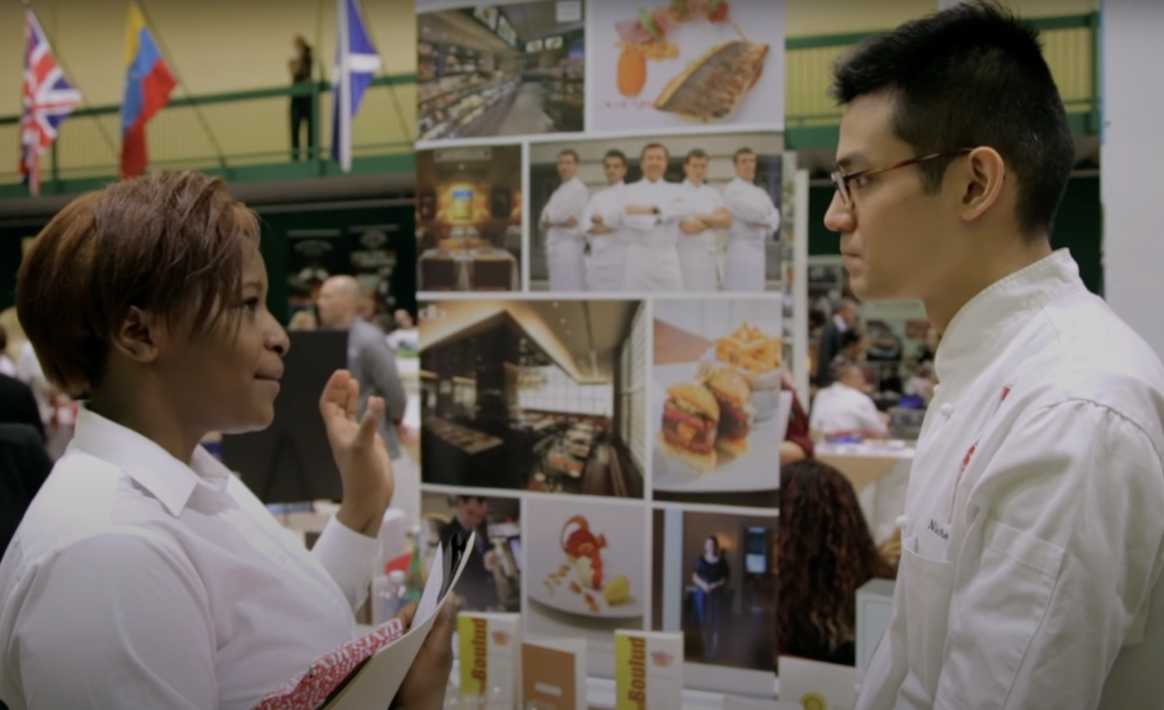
(48, 98)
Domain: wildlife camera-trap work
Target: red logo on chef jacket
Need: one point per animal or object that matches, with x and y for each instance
(974, 446)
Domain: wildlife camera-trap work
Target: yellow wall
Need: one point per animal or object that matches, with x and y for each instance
(217, 45)
(233, 45)
(824, 17)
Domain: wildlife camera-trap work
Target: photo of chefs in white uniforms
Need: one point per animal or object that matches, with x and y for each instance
(651, 211)
(562, 223)
(606, 269)
(699, 240)
(754, 221)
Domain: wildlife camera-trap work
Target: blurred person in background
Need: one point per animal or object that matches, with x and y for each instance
(844, 319)
(404, 335)
(825, 552)
(373, 364)
(845, 408)
(143, 566)
(302, 320)
(852, 351)
(7, 366)
(300, 66)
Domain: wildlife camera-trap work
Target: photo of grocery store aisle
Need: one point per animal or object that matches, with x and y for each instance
(500, 71)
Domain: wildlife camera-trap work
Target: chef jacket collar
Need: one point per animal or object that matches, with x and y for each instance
(149, 465)
(983, 327)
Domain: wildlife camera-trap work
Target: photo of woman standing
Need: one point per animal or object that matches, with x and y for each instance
(710, 577)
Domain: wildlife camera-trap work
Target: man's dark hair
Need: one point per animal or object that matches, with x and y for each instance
(850, 337)
(651, 146)
(615, 154)
(695, 154)
(570, 152)
(971, 76)
(741, 151)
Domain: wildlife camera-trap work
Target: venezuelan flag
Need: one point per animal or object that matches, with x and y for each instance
(148, 84)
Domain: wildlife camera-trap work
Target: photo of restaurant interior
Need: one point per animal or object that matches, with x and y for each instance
(539, 395)
(468, 226)
(500, 71)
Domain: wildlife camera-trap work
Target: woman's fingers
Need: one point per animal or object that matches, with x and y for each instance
(371, 421)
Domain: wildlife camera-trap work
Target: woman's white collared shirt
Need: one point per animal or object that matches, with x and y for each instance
(136, 581)
(1033, 531)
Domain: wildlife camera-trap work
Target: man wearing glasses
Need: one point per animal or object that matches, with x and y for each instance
(1033, 526)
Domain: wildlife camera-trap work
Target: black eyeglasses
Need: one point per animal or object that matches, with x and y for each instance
(841, 180)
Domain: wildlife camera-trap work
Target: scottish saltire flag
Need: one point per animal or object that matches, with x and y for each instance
(148, 83)
(357, 62)
(47, 99)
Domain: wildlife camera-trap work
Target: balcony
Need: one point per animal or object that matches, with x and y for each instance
(244, 136)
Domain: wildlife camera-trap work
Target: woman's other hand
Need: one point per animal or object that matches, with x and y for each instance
(428, 678)
(360, 454)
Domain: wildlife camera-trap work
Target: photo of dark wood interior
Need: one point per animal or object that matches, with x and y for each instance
(542, 396)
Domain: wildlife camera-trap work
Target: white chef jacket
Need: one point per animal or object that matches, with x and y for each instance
(754, 219)
(135, 581)
(1034, 520)
(699, 253)
(607, 268)
(566, 246)
(839, 409)
(652, 256)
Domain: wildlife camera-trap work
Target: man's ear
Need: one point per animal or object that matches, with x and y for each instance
(983, 178)
(139, 336)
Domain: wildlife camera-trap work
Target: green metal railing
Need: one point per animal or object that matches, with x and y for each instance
(251, 137)
(252, 128)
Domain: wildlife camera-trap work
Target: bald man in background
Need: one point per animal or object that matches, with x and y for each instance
(373, 364)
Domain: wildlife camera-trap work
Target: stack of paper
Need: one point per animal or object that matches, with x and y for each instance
(368, 672)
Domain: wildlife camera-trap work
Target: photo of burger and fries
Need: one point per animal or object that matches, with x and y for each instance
(708, 420)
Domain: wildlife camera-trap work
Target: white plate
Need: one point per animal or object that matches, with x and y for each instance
(622, 556)
(756, 470)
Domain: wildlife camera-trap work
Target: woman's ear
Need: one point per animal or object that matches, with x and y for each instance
(139, 336)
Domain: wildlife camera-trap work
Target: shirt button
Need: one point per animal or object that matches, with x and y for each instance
(947, 409)
(902, 522)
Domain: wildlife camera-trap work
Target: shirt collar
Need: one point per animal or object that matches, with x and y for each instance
(990, 320)
(693, 186)
(840, 323)
(149, 465)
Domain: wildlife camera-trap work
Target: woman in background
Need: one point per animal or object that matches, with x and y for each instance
(825, 554)
(710, 577)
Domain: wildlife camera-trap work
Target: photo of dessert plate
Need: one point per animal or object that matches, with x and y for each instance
(563, 584)
(755, 470)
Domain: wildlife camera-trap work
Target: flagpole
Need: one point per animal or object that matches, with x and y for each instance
(182, 84)
(84, 104)
(345, 133)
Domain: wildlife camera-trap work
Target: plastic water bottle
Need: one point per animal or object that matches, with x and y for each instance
(389, 593)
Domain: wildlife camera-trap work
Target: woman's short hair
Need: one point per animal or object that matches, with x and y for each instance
(172, 243)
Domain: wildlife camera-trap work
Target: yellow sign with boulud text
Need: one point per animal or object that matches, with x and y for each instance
(474, 636)
(630, 659)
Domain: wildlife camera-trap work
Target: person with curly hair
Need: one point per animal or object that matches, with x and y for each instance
(825, 553)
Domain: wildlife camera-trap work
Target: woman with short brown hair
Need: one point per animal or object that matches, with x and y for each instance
(144, 574)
